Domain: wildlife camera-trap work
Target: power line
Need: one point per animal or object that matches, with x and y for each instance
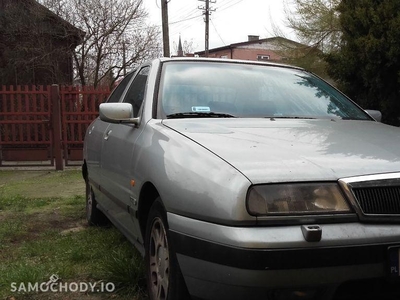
(184, 10)
(186, 15)
(176, 22)
(212, 23)
(182, 17)
(227, 6)
(182, 27)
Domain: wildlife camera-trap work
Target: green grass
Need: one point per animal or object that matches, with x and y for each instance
(41, 236)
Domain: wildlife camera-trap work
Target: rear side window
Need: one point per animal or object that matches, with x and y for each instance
(119, 90)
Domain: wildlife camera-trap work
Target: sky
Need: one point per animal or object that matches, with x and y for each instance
(231, 22)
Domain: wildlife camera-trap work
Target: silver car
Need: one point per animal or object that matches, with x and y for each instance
(246, 180)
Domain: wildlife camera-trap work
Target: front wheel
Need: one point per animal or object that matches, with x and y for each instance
(164, 278)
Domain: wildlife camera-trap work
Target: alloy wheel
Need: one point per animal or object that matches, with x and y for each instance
(159, 260)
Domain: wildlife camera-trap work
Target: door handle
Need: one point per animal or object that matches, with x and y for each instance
(107, 135)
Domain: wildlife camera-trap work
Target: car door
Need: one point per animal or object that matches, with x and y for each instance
(95, 134)
(117, 151)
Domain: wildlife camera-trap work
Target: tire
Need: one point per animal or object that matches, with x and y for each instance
(164, 277)
(93, 215)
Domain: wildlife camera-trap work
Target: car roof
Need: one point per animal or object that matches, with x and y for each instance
(224, 60)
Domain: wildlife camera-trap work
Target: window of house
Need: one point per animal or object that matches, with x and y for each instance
(263, 57)
(224, 56)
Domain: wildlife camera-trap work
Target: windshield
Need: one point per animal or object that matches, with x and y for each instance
(190, 89)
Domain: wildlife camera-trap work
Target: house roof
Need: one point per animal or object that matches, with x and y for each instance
(31, 5)
(64, 22)
(253, 42)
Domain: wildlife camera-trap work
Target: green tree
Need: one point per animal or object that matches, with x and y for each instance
(367, 64)
(315, 22)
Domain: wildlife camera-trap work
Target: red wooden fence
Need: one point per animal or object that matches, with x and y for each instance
(25, 114)
(46, 123)
(79, 106)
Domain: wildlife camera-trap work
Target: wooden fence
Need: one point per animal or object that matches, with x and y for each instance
(46, 123)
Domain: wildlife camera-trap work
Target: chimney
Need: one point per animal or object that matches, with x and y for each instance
(253, 38)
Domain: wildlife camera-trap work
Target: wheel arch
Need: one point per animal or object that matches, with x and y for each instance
(85, 172)
(148, 195)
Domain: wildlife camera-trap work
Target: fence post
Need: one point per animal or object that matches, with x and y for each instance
(3, 104)
(56, 123)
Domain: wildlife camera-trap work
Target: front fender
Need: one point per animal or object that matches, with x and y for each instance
(191, 180)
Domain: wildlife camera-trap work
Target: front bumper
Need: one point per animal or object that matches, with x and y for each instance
(222, 262)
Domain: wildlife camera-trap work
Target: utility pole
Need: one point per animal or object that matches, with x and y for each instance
(165, 29)
(207, 12)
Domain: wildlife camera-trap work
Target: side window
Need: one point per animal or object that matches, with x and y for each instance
(117, 93)
(135, 94)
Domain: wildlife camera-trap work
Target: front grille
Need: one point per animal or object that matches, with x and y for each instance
(378, 200)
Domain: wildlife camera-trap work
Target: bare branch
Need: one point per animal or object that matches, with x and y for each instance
(117, 36)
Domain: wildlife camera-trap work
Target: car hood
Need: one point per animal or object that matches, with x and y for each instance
(285, 150)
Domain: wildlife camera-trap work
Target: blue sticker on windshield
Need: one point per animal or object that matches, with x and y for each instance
(201, 109)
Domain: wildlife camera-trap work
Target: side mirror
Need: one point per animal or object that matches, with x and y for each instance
(117, 113)
(376, 114)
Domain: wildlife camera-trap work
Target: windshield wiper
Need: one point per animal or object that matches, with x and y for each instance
(182, 115)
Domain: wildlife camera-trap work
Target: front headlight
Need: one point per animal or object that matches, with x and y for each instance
(298, 198)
